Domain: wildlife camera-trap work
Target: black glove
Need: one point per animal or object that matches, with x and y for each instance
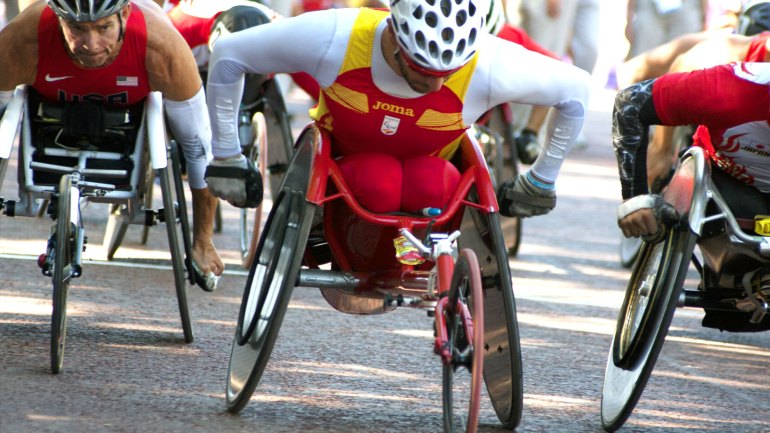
(521, 197)
(235, 180)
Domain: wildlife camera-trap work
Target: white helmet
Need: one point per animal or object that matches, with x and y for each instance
(86, 10)
(439, 35)
(495, 17)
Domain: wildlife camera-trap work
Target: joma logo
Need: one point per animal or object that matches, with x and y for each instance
(379, 105)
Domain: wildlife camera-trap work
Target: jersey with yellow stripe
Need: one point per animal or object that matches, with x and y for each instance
(362, 118)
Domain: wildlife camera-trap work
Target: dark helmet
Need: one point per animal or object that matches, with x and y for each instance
(86, 10)
(236, 19)
(754, 18)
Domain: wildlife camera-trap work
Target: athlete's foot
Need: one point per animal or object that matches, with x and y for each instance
(207, 265)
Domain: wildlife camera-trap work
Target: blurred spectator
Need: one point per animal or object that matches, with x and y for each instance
(650, 23)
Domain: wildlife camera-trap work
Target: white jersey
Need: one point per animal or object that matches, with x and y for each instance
(316, 43)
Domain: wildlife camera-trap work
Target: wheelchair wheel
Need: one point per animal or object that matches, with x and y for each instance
(178, 230)
(266, 297)
(280, 143)
(643, 322)
(462, 378)
(115, 231)
(629, 250)
(507, 151)
(502, 348)
(252, 218)
(62, 271)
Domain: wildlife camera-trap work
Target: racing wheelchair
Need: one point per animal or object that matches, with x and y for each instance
(733, 289)
(266, 139)
(318, 235)
(70, 154)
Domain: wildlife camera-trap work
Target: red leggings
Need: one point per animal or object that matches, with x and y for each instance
(383, 184)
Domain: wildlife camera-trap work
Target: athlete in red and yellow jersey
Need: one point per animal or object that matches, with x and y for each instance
(398, 91)
(116, 52)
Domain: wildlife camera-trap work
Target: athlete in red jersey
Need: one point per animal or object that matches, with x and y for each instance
(746, 46)
(399, 90)
(730, 102)
(116, 53)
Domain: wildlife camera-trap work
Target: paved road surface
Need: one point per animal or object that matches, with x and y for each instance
(126, 368)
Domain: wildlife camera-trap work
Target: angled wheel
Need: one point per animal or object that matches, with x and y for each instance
(643, 322)
(266, 297)
(178, 231)
(502, 124)
(503, 374)
(252, 218)
(280, 143)
(462, 378)
(62, 269)
(115, 231)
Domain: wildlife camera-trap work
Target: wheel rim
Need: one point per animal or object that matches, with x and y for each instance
(463, 377)
(177, 231)
(638, 307)
(265, 300)
(654, 303)
(62, 273)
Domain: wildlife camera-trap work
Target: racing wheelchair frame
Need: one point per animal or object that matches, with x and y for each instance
(98, 155)
(731, 288)
(266, 140)
(315, 222)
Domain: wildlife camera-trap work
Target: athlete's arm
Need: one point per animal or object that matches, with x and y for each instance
(507, 72)
(716, 50)
(18, 56)
(298, 44)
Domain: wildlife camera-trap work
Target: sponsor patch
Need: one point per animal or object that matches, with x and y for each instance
(390, 125)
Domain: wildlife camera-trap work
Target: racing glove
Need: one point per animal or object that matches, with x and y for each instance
(236, 181)
(665, 214)
(525, 197)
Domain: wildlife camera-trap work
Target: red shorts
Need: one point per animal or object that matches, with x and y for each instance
(383, 184)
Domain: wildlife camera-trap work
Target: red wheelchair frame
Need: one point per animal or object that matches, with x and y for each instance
(366, 278)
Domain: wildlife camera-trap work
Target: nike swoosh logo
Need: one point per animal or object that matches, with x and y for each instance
(51, 79)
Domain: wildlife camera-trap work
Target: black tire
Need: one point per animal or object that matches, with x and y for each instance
(643, 322)
(629, 250)
(507, 151)
(503, 373)
(251, 219)
(280, 143)
(462, 378)
(178, 230)
(266, 297)
(62, 271)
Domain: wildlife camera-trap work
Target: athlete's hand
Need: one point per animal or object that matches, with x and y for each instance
(235, 180)
(524, 197)
(646, 216)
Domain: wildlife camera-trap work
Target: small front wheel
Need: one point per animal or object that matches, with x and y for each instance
(462, 377)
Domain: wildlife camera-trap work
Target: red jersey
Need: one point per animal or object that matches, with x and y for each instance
(194, 30)
(122, 82)
(757, 48)
(362, 118)
(519, 36)
(733, 115)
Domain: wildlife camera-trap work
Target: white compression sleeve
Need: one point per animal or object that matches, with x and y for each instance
(189, 122)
